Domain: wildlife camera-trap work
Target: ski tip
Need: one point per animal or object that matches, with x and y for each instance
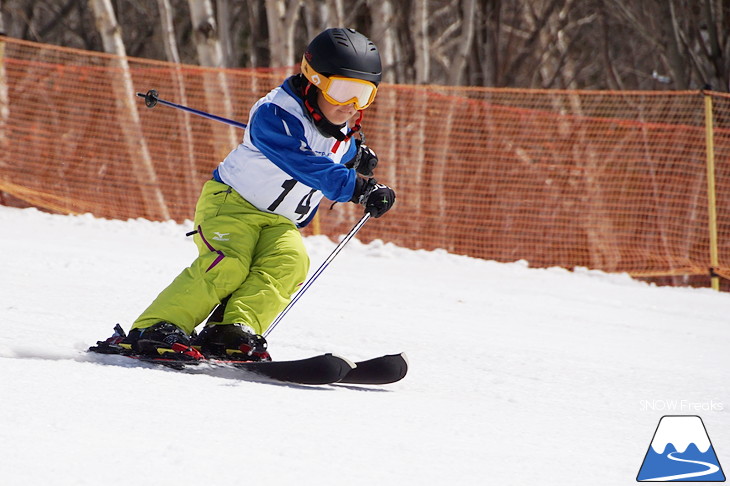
(318, 370)
(404, 363)
(346, 362)
(400, 357)
(382, 370)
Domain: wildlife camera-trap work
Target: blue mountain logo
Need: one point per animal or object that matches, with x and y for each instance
(681, 451)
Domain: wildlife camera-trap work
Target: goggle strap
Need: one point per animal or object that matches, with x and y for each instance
(355, 128)
(316, 116)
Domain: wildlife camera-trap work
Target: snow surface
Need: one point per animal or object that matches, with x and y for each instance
(518, 376)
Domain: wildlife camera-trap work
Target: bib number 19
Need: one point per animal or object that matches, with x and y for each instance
(304, 205)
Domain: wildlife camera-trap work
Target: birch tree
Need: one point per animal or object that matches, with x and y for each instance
(225, 28)
(318, 15)
(587, 44)
(282, 17)
(205, 33)
(255, 19)
(215, 85)
(126, 104)
(4, 101)
(451, 48)
(383, 34)
(421, 44)
(173, 56)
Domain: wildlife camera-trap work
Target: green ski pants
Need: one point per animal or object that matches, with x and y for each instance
(257, 258)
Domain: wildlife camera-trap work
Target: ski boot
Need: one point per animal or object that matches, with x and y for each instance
(111, 344)
(162, 340)
(231, 342)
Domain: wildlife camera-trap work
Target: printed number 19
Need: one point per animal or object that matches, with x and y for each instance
(288, 186)
(304, 205)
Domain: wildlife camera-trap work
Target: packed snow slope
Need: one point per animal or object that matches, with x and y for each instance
(518, 376)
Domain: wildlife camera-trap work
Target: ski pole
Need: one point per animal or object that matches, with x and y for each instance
(319, 271)
(151, 99)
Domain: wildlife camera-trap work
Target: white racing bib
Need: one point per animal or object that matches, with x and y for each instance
(284, 164)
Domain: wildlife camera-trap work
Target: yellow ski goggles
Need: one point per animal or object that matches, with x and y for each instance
(340, 90)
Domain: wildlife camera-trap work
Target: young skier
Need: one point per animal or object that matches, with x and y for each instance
(297, 148)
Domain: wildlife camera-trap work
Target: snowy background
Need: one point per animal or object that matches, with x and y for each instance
(518, 376)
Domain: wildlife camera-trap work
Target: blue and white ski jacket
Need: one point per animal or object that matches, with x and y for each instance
(284, 164)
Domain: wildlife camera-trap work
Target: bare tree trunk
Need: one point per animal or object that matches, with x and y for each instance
(418, 135)
(649, 44)
(319, 15)
(173, 55)
(383, 35)
(440, 168)
(125, 99)
(714, 26)
(223, 14)
(256, 35)
(451, 48)
(205, 33)
(458, 65)
(210, 53)
(168, 31)
(337, 13)
(419, 30)
(599, 229)
(315, 17)
(4, 101)
(282, 17)
(555, 42)
(675, 56)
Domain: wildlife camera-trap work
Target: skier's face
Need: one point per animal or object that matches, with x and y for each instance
(336, 114)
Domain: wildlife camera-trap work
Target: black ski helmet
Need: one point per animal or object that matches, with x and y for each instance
(344, 52)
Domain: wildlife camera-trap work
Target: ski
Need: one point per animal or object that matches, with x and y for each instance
(316, 370)
(378, 371)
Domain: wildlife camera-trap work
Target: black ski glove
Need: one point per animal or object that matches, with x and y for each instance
(377, 198)
(364, 161)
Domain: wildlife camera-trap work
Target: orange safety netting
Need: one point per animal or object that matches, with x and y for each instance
(615, 181)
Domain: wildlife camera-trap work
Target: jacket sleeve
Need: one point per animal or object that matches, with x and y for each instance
(279, 135)
(351, 153)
